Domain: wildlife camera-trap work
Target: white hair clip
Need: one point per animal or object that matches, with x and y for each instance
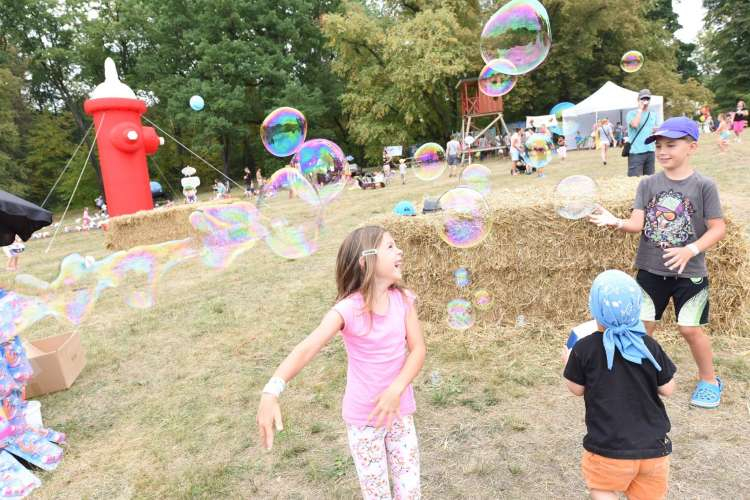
(372, 251)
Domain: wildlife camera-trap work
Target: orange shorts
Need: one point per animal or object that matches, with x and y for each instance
(644, 479)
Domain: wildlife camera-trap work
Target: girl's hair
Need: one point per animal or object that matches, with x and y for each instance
(352, 277)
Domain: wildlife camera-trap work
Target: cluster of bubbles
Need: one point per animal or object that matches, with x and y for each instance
(514, 41)
(575, 197)
(461, 311)
(631, 61)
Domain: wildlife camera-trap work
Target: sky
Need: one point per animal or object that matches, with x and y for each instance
(691, 14)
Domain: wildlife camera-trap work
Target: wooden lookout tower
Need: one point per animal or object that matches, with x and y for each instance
(475, 104)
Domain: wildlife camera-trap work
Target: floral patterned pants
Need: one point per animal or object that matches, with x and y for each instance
(376, 449)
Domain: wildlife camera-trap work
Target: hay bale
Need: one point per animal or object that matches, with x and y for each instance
(540, 265)
(154, 226)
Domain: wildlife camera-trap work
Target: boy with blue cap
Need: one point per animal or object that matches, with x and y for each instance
(678, 214)
(621, 372)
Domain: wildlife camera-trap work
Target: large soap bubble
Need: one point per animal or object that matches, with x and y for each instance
(283, 131)
(631, 61)
(518, 33)
(430, 160)
(538, 150)
(575, 197)
(464, 218)
(477, 177)
(291, 212)
(323, 163)
(495, 83)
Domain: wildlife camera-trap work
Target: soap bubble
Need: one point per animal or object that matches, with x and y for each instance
(495, 83)
(460, 316)
(227, 231)
(323, 162)
(462, 277)
(291, 213)
(430, 160)
(483, 299)
(538, 151)
(631, 61)
(197, 103)
(518, 33)
(575, 197)
(477, 177)
(283, 131)
(557, 110)
(464, 218)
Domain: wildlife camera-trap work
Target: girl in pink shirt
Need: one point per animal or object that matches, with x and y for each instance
(378, 322)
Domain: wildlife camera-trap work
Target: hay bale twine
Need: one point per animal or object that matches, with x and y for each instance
(540, 265)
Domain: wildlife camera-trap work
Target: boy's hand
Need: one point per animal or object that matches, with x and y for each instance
(677, 258)
(565, 355)
(269, 416)
(603, 217)
(387, 407)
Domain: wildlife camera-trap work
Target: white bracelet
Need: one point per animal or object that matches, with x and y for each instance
(693, 248)
(275, 386)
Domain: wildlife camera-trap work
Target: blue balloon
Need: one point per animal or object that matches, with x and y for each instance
(197, 103)
(155, 187)
(560, 107)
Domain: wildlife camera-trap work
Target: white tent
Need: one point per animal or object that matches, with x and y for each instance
(612, 102)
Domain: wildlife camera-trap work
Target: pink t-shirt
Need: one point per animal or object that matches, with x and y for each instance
(376, 355)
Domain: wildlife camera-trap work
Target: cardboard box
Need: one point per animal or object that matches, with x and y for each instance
(57, 361)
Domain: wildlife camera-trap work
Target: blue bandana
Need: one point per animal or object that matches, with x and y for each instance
(615, 303)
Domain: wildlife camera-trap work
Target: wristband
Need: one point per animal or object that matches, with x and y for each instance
(275, 386)
(693, 248)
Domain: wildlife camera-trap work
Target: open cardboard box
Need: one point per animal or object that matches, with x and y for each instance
(57, 361)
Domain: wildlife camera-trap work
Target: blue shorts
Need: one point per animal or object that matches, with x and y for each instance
(452, 160)
(515, 155)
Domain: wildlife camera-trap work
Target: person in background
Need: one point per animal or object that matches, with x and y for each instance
(13, 252)
(724, 133)
(248, 178)
(606, 138)
(452, 149)
(739, 120)
(86, 219)
(562, 151)
(641, 124)
(402, 170)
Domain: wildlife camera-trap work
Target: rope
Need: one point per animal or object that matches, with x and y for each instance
(192, 152)
(66, 166)
(80, 176)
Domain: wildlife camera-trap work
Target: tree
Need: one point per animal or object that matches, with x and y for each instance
(724, 47)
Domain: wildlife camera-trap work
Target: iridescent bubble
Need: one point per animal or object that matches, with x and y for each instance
(460, 316)
(557, 111)
(291, 213)
(196, 103)
(576, 197)
(518, 33)
(538, 150)
(323, 163)
(283, 131)
(465, 218)
(227, 231)
(493, 82)
(462, 277)
(483, 299)
(631, 61)
(430, 160)
(477, 177)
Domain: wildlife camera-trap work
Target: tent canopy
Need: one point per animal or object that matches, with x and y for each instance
(612, 102)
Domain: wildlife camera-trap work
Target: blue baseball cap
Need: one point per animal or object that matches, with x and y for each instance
(676, 128)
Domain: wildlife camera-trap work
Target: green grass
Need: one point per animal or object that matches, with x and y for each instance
(166, 405)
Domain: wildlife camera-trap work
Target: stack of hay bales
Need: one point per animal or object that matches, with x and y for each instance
(154, 226)
(541, 265)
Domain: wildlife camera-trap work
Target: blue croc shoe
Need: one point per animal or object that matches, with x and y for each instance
(707, 395)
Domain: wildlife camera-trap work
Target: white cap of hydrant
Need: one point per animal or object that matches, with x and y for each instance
(112, 86)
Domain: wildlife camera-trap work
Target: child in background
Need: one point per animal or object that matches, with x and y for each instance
(86, 220)
(678, 213)
(378, 322)
(13, 251)
(621, 372)
(387, 172)
(402, 170)
(562, 151)
(724, 133)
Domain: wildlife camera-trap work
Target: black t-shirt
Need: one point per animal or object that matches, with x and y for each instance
(625, 417)
(740, 117)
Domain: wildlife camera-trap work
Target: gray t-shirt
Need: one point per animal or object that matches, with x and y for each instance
(675, 215)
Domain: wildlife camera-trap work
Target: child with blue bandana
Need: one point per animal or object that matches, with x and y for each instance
(621, 373)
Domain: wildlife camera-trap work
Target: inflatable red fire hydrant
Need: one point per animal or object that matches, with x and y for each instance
(123, 144)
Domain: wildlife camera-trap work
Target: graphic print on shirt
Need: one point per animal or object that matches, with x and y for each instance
(669, 220)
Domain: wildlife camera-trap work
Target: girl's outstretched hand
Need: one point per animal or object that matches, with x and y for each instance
(387, 407)
(268, 419)
(603, 217)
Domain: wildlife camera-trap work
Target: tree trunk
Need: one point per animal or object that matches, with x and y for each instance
(225, 156)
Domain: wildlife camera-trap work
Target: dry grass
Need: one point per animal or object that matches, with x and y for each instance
(165, 407)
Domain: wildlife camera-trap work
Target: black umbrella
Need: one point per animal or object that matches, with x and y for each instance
(20, 217)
